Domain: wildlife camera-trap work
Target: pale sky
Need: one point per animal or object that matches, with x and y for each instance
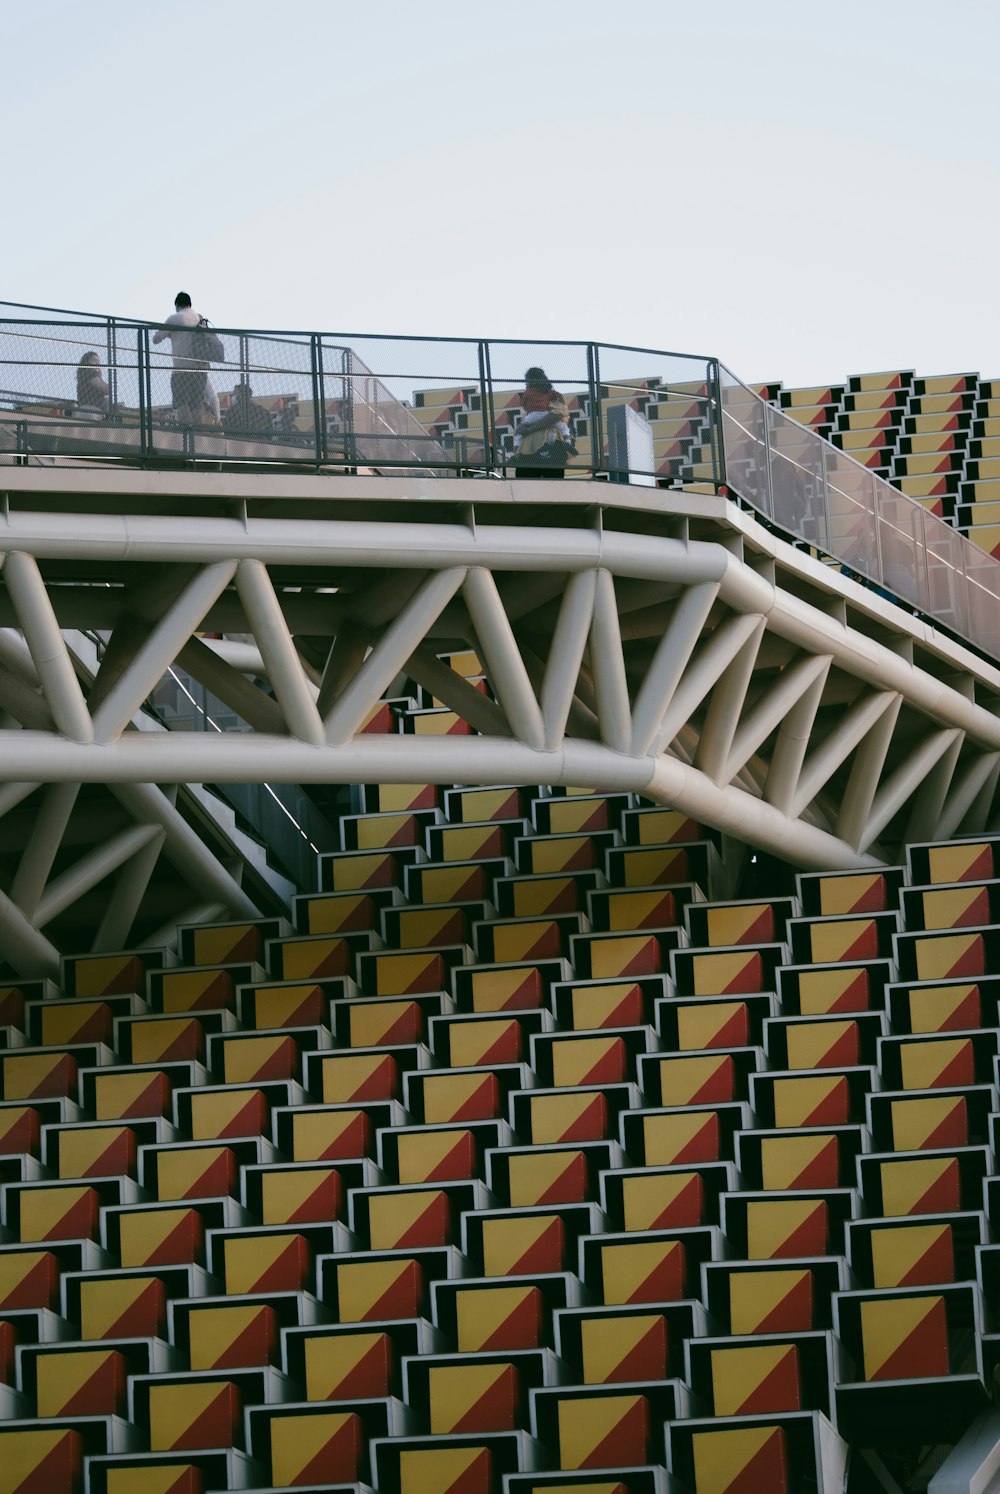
(803, 190)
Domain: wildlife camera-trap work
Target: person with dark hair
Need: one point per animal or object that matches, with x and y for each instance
(245, 417)
(543, 440)
(537, 389)
(190, 390)
(92, 394)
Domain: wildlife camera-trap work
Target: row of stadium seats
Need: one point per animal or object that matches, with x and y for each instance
(520, 1158)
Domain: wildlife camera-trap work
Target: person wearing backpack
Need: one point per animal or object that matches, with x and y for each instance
(194, 346)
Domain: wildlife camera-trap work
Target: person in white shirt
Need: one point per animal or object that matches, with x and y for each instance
(190, 389)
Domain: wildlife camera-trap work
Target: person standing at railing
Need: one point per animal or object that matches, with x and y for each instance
(191, 393)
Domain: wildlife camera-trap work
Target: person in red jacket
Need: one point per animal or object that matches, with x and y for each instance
(543, 434)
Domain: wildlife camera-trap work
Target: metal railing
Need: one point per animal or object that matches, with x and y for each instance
(440, 406)
(811, 489)
(321, 400)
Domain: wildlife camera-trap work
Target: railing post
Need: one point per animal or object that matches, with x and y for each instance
(319, 401)
(768, 487)
(596, 421)
(822, 537)
(145, 393)
(879, 567)
(486, 401)
(350, 447)
(922, 525)
(112, 362)
(715, 399)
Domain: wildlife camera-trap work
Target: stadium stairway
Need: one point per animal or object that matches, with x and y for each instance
(523, 1157)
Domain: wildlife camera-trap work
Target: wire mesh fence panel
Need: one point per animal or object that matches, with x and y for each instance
(237, 395)
(671, 394)
(406, 402)
(543, 425)
(38, 363)
(270, 398)
(58, 390)
(947, 585)
(901, 545)
(850, 514)
(797, 476)
(126, 375)
(983, 576)
(744, 441)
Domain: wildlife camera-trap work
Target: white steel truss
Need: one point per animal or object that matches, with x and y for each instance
(58, 852)
(667, 646)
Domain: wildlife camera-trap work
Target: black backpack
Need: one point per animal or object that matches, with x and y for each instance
(207, 346)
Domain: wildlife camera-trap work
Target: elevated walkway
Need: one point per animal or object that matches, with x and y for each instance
(655, 635)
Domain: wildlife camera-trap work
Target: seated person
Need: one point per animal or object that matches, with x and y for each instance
(245, 417)
(92, 395)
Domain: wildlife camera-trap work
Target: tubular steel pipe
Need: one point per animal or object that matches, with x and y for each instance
(722, 718)
(502, 657)
(24, 948)
(708, 664)
(903, 782)
(407, 546)
(41, 850)
(607, 665)
(667, 666)
(183, 847)
(127, 764)
(835, 748)
(773, 708)
(865, 774)
(147, 665)
(91, 869)
(390, 654)
(964, 793)
(48, 648)
(569, 641)
(284, 669)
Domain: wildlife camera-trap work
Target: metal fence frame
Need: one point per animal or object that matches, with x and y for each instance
(798, 482)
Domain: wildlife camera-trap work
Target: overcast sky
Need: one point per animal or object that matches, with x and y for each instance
(804, 190)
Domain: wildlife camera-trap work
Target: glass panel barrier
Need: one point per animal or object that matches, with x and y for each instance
(850, 513)
(902, 547)
(405, 402)
(671, 394)
(795, 466)
(744, 440)
(533, 432)
(983, 576)
(948, 590)
(819, 493)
